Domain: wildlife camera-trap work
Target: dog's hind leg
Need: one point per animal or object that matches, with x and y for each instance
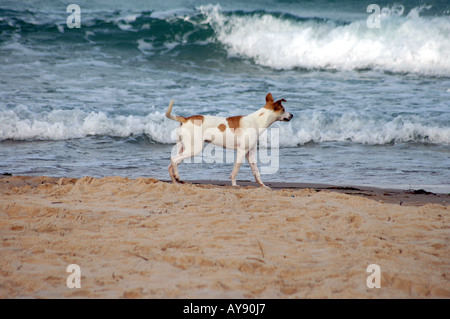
(175, 178)
(185, 153)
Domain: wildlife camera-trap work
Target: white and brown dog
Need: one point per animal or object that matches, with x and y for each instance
(237, 132)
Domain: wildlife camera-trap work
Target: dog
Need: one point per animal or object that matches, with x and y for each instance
(237, 132)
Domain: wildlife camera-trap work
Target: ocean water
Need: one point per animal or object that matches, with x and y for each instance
(371, 105)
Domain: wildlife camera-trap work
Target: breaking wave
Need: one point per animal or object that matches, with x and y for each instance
(403, 43)
(19, 124)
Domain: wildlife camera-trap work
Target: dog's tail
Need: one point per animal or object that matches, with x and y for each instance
(174, 117)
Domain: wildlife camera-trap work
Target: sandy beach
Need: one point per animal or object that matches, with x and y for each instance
(144, 238)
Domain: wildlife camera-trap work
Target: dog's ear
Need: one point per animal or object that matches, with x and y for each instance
(269, 98)
(278, 103)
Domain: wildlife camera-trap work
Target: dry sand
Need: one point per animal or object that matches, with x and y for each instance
(145, 238)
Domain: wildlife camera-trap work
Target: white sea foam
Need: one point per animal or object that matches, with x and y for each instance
(15, 48)
(145, 47)
(317, 127)
(405, 44)
(22, 124)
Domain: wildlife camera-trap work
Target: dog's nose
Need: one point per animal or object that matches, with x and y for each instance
(287, 119)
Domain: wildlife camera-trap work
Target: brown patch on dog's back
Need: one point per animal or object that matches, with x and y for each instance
(222, 127)
(234, 122)
(196, 119)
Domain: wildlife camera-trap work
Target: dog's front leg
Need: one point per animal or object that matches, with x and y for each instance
(251, 158)
(241, 152)
(172, 174)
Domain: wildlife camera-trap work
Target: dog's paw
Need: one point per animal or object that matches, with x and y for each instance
(179, 181)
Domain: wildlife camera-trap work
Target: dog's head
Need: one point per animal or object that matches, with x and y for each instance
(278, 109)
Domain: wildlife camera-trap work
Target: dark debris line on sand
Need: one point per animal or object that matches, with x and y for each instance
(393, 196)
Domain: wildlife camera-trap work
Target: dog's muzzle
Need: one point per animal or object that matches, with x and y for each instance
(287, 119)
